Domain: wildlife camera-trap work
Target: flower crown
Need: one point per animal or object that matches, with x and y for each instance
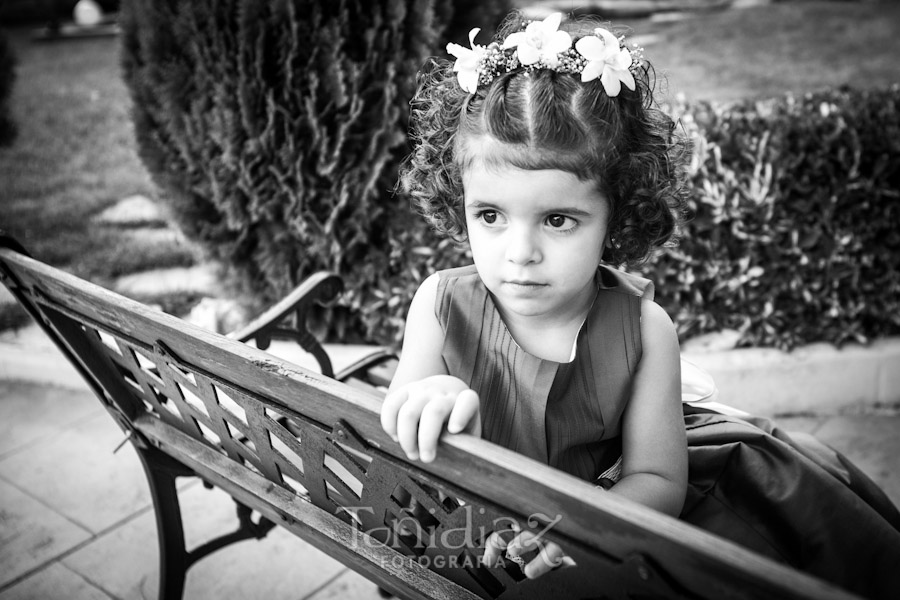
(542, 46)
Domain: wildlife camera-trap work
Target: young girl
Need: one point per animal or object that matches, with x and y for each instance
(543, 150)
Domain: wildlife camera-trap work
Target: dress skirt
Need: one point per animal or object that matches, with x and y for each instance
(793, 499)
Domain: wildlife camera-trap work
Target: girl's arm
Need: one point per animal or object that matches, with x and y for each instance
(654, 444)
(422, 397)
(422, 340)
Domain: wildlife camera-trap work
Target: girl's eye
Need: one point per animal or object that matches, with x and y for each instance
(559, 222)
(489, 217)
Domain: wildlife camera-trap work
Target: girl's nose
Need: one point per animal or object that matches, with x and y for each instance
(522, 247)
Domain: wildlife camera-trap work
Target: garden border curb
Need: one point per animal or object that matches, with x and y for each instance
(815, 379)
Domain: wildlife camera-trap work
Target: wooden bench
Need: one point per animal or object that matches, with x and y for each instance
(306, 452)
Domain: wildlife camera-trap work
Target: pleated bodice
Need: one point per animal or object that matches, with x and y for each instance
(564, 414)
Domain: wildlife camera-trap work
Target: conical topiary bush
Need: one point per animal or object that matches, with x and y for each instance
(275, 129)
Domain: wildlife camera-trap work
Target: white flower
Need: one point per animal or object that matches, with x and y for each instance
(607, 61)
(466, 65)
(541, 41)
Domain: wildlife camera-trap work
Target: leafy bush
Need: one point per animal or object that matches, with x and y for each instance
(7, 77)
(795, 233)
(275, 130)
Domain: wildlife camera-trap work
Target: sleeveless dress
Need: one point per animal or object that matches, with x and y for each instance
(787, 497)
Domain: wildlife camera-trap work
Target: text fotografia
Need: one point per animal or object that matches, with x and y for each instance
(440, 561)
(432, 544)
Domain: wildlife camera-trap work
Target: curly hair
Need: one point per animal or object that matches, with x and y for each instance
(543, 119)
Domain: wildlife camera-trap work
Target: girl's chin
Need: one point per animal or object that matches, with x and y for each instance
(524, 304)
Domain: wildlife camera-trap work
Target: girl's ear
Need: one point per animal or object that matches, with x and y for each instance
(607, 254)
(606, 257)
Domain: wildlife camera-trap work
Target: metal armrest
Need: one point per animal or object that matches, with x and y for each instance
(287, 319)
(373, 366)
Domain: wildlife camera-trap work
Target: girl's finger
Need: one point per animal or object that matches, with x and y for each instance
(466, 414)
(495, 547)
(389, 409)
(550, 557)
(408, 424)
(431, 423)
(536, 555)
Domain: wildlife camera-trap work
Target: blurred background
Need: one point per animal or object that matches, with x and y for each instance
(207, 158)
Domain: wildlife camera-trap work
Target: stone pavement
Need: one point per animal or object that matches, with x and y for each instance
(76, 519)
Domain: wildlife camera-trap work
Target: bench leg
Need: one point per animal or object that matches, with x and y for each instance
(174, 560)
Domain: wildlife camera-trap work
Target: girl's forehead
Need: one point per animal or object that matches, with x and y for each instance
(489, 153)
(493, 155)
(528, 191)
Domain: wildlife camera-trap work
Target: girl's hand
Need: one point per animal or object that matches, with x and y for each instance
(534, 555)
(415, 413)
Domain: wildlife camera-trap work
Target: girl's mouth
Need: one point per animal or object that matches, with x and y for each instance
(525, 284)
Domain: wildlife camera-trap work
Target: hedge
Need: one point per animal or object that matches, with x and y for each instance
(795, 236)
(7, 78)
(275, 129)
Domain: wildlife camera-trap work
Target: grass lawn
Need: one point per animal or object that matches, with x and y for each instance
(74, 156)
(75, 153)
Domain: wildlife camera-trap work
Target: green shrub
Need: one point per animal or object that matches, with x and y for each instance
(275, 130)
(796, 229)
(7, 77)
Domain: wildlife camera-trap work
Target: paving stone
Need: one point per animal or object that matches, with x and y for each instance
(222, 315)
(888, 386)
(77, 474)
(25, 340)
(27, 354)
(56, 581)
(349, 584)
(124, 562)
(145, 237)
(872, 443)
(200, 279)
(6, 296)
(31, 412)
(802, 423)
(31, 534)
(133, 210)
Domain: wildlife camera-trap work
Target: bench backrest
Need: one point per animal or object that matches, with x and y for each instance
(308, 453)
